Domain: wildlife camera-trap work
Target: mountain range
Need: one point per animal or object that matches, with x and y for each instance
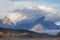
(47, 25)
(19, 33)
(33, 19)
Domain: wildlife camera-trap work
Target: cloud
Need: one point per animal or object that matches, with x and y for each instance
(29, 13)
(9, 18)
(57, 23)
(35, 13)
(45, 8)
(50, 32)
(37, 27)
(30, 10)
(9, 5)
(53, 16)
(49, 13)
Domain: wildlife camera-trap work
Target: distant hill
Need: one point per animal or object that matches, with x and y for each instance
(8, 33)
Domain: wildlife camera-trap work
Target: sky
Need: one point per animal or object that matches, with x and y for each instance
(50, 3)
(7, 5)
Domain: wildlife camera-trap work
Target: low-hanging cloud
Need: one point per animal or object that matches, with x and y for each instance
(37, 27)
(49, 13)
(12, 17)
(30, 11)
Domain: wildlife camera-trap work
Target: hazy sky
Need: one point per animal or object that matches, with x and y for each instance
(50, 3)
(7, 5)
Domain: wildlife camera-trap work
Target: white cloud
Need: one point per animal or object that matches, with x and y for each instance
(36, 12)
(37, 27)
(53, 16)
(57, 22)
(45, 8)
(8, 5)
(39, 11)
(50, 14)
(12, 17)
(50, 32)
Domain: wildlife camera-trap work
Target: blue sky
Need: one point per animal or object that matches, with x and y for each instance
(51, 3)
(7, 5)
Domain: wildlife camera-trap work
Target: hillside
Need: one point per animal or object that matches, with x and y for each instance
(19, 33)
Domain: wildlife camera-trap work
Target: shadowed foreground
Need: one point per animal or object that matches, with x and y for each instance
(18, 34)
(53, 38)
